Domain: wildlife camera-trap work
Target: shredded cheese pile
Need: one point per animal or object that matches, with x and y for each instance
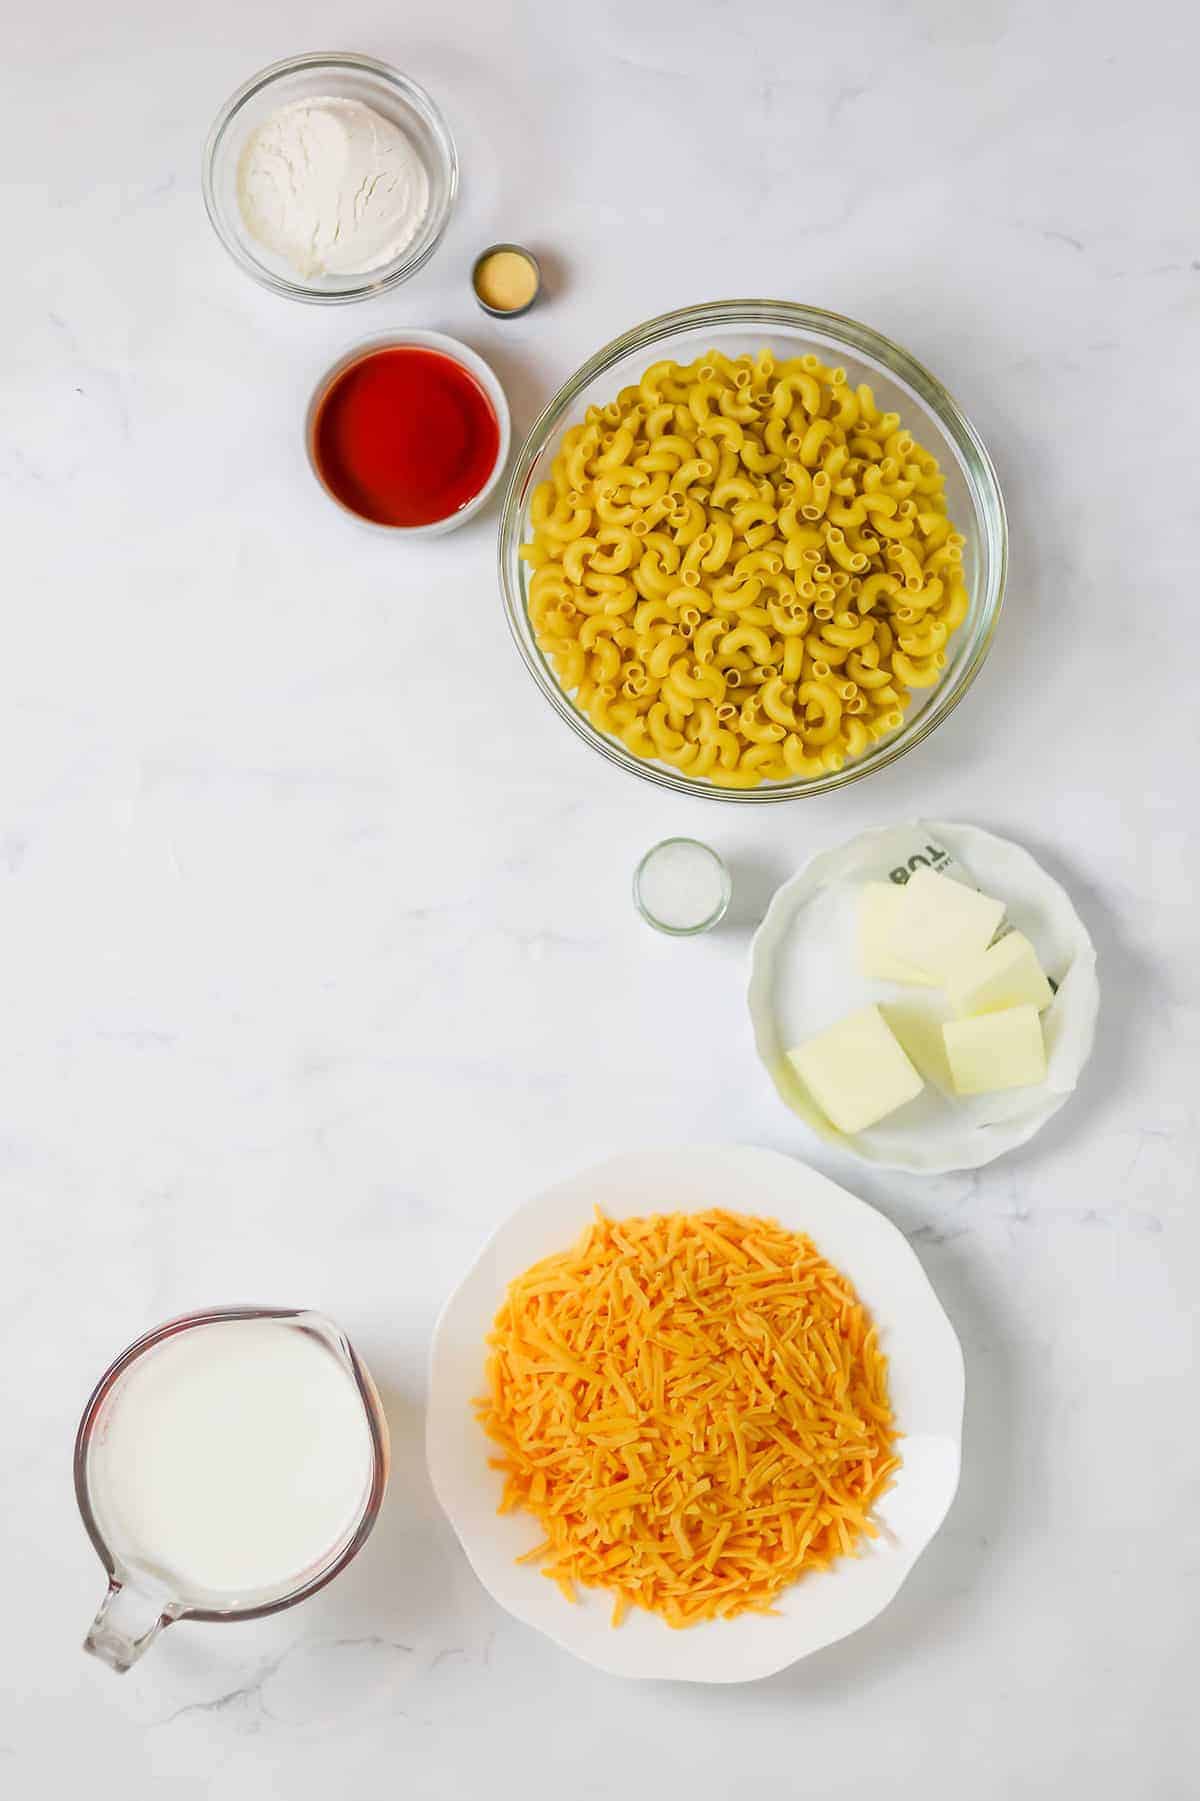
(694, 1407)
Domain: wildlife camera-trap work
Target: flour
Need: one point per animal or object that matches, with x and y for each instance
(332, 187)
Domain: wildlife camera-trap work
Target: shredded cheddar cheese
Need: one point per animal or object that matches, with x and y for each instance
(694, 1408)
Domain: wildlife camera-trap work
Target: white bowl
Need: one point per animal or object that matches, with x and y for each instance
(804, 976)
(926, 1380)
(470, 361)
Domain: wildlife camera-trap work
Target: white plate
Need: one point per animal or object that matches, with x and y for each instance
(926, 1380)
(804, 976)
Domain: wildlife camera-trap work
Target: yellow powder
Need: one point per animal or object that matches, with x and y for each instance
(506, 280)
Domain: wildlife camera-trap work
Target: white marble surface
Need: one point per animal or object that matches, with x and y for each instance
(314, 965)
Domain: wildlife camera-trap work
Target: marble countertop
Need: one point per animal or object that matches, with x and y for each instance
(313, 968)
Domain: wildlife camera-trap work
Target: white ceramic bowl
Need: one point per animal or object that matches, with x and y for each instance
(926, 1378)
(474, 365)
(804, 976)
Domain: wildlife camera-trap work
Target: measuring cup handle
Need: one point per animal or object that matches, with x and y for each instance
(126, 1625)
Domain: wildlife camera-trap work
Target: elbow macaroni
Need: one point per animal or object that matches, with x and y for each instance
(742, 568)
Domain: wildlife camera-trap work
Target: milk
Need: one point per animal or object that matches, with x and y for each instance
(230, 1460)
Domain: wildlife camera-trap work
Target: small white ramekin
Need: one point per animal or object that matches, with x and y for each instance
(468, 360)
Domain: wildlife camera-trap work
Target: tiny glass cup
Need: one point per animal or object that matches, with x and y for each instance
(682, 887)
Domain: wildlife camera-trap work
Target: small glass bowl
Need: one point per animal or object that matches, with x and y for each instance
(346, 77)
(704, 925)
(900, 383)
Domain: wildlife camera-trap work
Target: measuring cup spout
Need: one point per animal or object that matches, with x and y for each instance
(127, 1624)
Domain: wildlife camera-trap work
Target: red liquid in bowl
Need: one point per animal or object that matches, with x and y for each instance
(405, 436)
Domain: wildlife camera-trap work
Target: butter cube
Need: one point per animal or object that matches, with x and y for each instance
(996, 1050)
(1007, 974)
(940, 922)
(877, 908)
(856, 1072)
(916, 1025)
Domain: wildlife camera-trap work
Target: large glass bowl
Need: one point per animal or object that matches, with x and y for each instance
(901, 385)
(312, 77)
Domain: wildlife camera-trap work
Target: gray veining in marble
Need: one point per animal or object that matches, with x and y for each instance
(315, 965)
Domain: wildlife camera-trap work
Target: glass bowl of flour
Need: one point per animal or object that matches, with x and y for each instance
(330, 177)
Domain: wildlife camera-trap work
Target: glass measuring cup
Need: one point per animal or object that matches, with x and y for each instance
(140, 1603)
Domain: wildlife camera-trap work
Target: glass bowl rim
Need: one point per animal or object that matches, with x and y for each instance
(982, 482)
(411, 92)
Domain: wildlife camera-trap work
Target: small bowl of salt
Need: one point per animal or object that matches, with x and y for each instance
(330, 177)
(681, 887)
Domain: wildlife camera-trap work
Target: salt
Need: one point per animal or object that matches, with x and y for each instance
(681, 886)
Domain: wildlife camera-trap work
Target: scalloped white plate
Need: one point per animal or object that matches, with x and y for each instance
(926, 1374)
(804, 976)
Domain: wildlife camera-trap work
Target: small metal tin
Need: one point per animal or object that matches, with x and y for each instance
(512, 312)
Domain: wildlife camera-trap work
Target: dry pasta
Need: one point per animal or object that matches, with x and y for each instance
(743, 568)
(694, 1407)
